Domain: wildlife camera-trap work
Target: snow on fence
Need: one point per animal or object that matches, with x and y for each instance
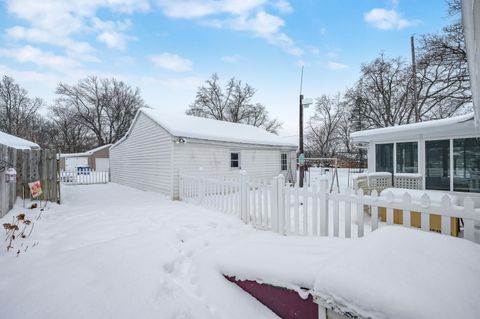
(285, 209)
(84, 178)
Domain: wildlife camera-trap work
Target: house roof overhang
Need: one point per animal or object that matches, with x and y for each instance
(444, 128)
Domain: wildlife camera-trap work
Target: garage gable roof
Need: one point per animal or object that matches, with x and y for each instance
(209, 129)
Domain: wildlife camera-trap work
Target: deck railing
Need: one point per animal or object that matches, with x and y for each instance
(314, 211)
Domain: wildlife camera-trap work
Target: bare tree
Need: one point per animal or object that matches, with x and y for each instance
(71, 135)
(442, 70)
(231, 104)
(324, 136)
(382, 93)
(104, 106)
(17, 110)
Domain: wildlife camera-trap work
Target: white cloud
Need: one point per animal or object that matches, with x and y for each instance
(81, 50)
(262, 23)
(59, 23)
(336, 66)
(387, 19)
(112, 32)
(196, 9)
(171, 62)
(266, 26)
(41, 58)
(231, 58)
(246, 15)
(283, 6)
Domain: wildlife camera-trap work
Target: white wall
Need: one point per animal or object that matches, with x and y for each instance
(143, 159)
(214, 158)
(71, 163)
(102, 164)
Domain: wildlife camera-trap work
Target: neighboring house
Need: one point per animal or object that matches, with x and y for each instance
(97, 159)
(17, 142)
(157, 147)
(445, 154)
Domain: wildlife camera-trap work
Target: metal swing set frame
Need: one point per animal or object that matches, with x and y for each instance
(333, 160)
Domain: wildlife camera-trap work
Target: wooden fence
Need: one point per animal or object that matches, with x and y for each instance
(84, 178)
(314, 211)
(31, 165)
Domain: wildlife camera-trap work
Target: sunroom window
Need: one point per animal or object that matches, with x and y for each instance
(407, 157)
(466, 165)
(437, 168)
(384, 157)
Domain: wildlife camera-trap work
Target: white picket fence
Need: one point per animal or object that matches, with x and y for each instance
(84, 178)
(286, 209)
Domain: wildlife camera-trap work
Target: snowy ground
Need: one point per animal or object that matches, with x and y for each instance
(114, 252)
(110, 251)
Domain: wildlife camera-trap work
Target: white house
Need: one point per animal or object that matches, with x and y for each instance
(445, 153)
(158, 146)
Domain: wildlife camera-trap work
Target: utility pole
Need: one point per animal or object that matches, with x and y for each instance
(301, 155)
(414, 78)
(300, 125)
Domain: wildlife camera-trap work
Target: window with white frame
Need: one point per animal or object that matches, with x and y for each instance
(283, 161)
(234, 160)
(384, 157)
(407, 157)
(466, 165)
(437, 165)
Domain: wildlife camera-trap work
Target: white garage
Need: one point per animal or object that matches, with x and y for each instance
(158, 146)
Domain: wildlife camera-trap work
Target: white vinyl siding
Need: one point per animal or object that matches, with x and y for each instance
(143, 159)
(261, 163)
(71, 163)
(214, 159)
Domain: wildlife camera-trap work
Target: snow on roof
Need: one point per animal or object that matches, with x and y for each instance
(17, 142)
(434, 126)
(215, 130)
(398, 272)
(98, 149)
(85, 154)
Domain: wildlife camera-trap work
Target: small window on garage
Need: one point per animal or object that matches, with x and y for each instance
(283, 161)
(235, 160)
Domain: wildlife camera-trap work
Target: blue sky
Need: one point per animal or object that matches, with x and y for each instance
(167, 48)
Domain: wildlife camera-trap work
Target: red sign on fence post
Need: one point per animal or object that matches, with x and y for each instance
(35, 189)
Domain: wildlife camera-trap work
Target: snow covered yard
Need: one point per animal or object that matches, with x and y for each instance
(110, 251)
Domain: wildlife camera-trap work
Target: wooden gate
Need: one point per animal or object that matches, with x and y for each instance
(31, 165)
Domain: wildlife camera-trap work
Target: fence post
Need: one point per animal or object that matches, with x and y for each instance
(201, 191)
(468, 209)
(274, 204)
(244, 196)
(360, 223)
(323, 206)
(281, 204)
